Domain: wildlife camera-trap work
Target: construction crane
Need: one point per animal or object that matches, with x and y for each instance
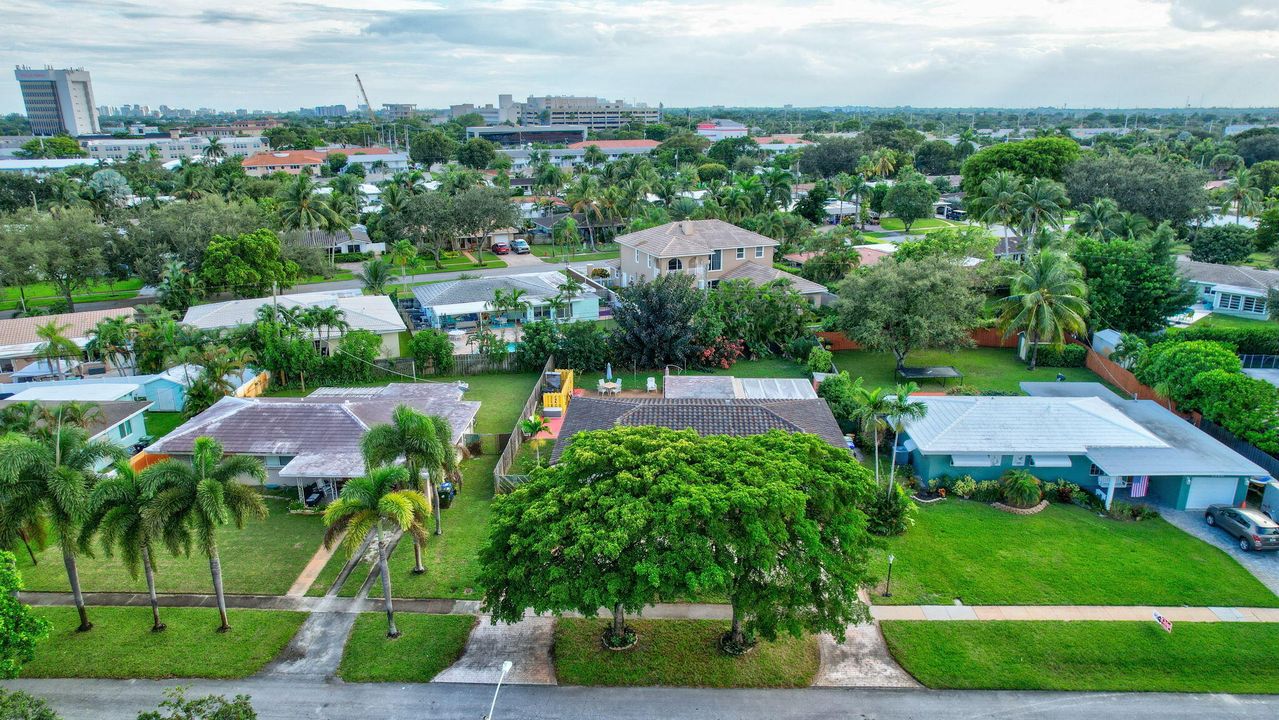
(367, 105)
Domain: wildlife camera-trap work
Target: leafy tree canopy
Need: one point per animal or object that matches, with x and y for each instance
(1225, 244)
(1046, 157)
(247, 264)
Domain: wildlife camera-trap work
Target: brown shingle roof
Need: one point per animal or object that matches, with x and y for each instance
(759, 273)
(693, 237)
(22, 331)
(706, 417)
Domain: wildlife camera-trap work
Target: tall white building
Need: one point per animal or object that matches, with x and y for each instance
(58, 101)
(595, 113)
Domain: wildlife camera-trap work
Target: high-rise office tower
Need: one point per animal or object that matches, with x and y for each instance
(58, 101)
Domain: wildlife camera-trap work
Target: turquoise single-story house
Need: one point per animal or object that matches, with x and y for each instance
(119, 422)
(167, 391)
(1134, 450)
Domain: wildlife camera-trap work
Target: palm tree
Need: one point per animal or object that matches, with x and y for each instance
(179, 288)
(565, 234)
(112, 339)
(900, 411)
(1040, 206)
(55, 346)
(402, 253)
(375, 276)
(202, 496)
(1097, 219)
(214, 150)
(48, 477)
(884, 161)
(998, 198)
(412, 436)
(301, 209)
(872, 406)
(1130, 225)
(367, 503)
(116, 514)
(219, 366)
(1241, 193)
(1046, 300)
(778, 183)
(516, 303)
(531, 426)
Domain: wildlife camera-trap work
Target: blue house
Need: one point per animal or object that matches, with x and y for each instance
(1135, 450)
(167, 391)
(459, 304)
(119, 422)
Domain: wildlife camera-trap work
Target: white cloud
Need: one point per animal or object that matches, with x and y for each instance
(865, 52)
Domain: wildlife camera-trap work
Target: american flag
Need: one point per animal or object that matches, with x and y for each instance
(1140, 484)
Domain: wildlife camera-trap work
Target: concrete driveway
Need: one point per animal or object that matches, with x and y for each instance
(1263, 565)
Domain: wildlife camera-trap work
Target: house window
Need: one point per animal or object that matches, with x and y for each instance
(759, 251)
(126, 429)
(1242, 303)
(741, 253)
(650, 261)
(674, 264)
(1095, 471)
(637, 255)
(716, 260)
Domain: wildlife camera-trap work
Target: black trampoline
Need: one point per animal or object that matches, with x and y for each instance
(942, 373)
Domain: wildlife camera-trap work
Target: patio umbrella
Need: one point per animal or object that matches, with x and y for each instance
(608, 372)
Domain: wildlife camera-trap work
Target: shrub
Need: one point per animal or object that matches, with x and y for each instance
(538, 341)
(1120, 510)
(432, 349)
(987, 491)
(964, 487)
(1224, 244)
(1060, 491)
(1066, 356)
(889, 513)
(18, 705)
(1021, 489)
(1085, 499)
(820, 359)
(963, 390)
(352, 257)
(1252, 340)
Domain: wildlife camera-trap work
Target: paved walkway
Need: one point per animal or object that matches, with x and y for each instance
(313, 568)
(1264, 565)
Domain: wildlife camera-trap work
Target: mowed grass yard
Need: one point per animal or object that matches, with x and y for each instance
(427, 645)
(1064, 555)
(263, 558)
(1088, 656)
(987, 369)
(160, 424)
(121, 644)
(678, 653)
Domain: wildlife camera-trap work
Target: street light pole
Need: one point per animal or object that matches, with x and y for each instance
(888, 585)
(506, 667)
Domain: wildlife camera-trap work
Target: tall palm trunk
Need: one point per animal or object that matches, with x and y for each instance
(156, 625)
(215, 567)
(892, 463)
(1034, 348)
(26, 543)
(73, 577)
(877, 457)
(434, 496)
(391, 630)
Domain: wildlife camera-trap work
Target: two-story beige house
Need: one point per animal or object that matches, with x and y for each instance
(710, 250)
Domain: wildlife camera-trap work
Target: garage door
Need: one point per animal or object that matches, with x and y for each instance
(1205, 491)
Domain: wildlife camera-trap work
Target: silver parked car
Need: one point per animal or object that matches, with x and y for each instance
(1253, 529)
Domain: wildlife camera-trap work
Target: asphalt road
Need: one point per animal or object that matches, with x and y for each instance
(278, 699)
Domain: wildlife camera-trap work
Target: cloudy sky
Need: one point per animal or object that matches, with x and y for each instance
(270, 55)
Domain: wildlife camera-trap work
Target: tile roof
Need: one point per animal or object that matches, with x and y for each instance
(18, 335)
(362, 312)
(759, 273)
(692, 237)
(306, 157)
(322, 431)
(707, 417)
(1245, 278)
(615, 144)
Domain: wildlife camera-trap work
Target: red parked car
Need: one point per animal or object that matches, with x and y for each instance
(501, 247)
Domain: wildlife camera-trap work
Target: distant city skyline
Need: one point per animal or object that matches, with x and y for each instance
(931, 53)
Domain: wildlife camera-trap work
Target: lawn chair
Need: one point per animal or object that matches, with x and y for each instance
(617, 389)
(652, 385)
(599, 388)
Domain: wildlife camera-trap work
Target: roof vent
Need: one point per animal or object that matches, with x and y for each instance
(686, 227)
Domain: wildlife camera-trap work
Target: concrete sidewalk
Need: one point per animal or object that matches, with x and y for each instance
(688, 611)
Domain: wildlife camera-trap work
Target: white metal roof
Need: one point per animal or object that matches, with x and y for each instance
(361, 312)
(80, 392)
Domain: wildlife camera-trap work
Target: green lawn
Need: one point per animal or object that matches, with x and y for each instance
(987, 369)
(892, 223)
(1232, 322)
(1064, 555)
(427, 645)
(762, 368)
(262, 559)
(44, 290)
(1088, 656)
(121, 644)
(329, 574)
(451, 559)
(160, 424)
(679, 653)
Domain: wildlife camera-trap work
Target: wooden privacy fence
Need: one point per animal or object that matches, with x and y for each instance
(1122, 378)
(982, 337)
(516, 440)
(476, 364)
